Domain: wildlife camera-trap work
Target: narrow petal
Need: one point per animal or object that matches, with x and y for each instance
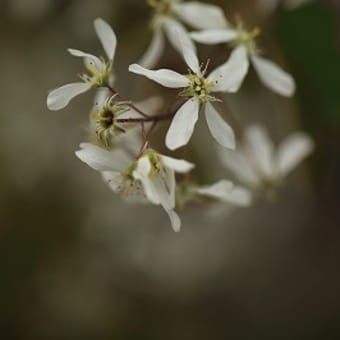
(165, 184)
(154, 51)
(238, 163)
(217, 190)
(201, 16)
(226, 192)
(274, 77)
(142, 173)
(173, 29)
(189, 54)
(220, 130)
(240, 196)
(114, 179)
(59, 98)
(89, 59)
(292, 151)
(182, 125)
(260, 150)
(102, 160)
(180, 39)
(214, 36)
(178, 165)
(229, 76)
(106, 36)
(165, 77)
(174, 219)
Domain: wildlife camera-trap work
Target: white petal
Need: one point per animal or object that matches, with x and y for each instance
(201, 16)
(229, 76)
(238, 164)
(165, 185)
(174, 219)
(142, 173)
(292, 151)
(173, 28)
(179, 165)
(260, 150)
(180, 40)
(106, 36)
(114, 179)
(182, 125)
(103, 160)
(165, 77)
(274, 77)
(59, 98)
(154, 51)
(226, 192)
(220, 130)
(239, 196)
(189, 54)
(89, 59)
(217, 190)
(214, 36)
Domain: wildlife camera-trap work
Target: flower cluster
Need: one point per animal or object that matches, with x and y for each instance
(121, 149)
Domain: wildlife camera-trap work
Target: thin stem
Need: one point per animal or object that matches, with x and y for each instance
(129, 103)
(146, 119)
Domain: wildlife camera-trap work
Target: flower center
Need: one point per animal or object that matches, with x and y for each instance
(106, 126)
(246, 38)
(98, 74)
(199, 87)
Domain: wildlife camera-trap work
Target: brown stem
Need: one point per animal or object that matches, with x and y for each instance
(130, 104)
(156, 118)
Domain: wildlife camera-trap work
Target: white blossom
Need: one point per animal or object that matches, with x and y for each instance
(99, 70)
(245, 50)
(151, 177)
(198, 88)
(167, 22)
(256, 163)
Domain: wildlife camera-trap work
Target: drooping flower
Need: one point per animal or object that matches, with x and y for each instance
(108, 112)
(151, 178)
(245, 47)
(99, 70)
(198, 88)
(256, 163)
(167, 21)
(157, 174)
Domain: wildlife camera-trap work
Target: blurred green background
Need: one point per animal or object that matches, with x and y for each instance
(77, 263)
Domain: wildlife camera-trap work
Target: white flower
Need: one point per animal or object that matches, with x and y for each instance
(151, 177)
(245, 49)
(157, 175)
(198, 88)
(167, 22)
(268, 6)
(258, 165)
(99, 70)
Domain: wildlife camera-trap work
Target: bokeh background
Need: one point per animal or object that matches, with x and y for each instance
(77, 263)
